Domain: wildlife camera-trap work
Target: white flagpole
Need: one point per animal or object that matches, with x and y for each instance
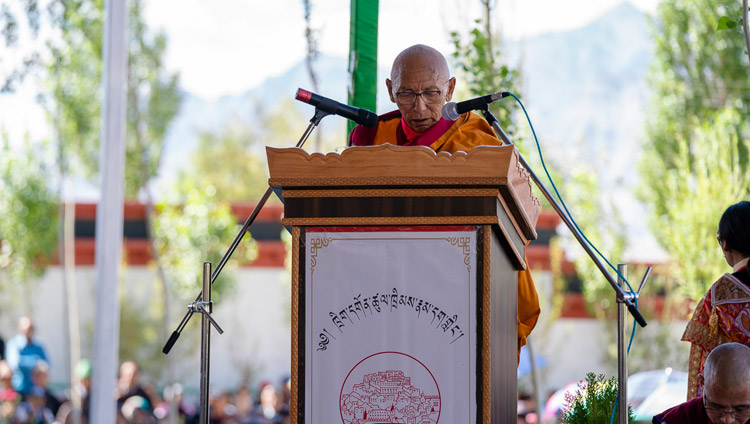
(109, 214)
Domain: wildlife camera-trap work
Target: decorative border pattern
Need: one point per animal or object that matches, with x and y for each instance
(418, 220)
(465, 244)
(293, 406)
(392, 192)
(393, 181)
(315, 244)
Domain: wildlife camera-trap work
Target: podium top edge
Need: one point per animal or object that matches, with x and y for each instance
(388, 161)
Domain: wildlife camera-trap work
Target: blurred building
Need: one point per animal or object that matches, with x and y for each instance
(256, 317)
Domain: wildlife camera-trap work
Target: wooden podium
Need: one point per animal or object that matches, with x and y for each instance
(404, 282)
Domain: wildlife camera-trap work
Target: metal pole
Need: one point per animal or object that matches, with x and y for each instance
(314, 121)
(622, 354)
(205, 341)
(621, 295)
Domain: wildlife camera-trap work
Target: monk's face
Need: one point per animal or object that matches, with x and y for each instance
(727, 406)
(430, 87)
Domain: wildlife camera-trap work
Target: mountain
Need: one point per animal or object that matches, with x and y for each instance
(584, 89)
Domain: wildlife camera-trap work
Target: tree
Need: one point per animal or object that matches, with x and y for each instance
(728, 23)
(71, 67)
(242, 175)
(483, 69)
(696, 153)
(72, 97)
(598, 218)
(697, 72)
(708, 176)
(192, 226)
(28, 230)
(311, 39)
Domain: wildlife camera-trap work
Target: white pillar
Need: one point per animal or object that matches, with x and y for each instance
(109, 214)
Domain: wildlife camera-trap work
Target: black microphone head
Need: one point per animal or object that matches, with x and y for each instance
(449, 111)
(367, 118)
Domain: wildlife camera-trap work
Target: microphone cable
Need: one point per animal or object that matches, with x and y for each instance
(570, 217)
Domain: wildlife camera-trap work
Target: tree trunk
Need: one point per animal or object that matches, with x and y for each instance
(312, 54)
(746, 27)
(149, 210)
(66, 247)
(71, 301)
(487, 26)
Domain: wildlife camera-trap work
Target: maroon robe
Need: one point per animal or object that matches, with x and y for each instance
(690, 412)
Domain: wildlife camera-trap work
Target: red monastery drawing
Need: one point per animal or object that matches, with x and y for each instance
(388, 397)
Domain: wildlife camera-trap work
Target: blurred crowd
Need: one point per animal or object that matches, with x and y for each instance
(26, 398)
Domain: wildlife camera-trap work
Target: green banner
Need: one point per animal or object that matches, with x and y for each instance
(363, 55)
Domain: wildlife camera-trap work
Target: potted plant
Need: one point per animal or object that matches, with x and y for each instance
(594, 402)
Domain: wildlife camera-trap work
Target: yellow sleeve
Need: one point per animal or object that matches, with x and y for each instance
(528, 307)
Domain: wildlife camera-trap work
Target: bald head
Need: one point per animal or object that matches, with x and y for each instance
(419, 58)
(420, 84)
(728, 366)
(726, 384)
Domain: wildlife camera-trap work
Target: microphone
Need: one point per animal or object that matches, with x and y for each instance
(360, 116)
(451, 111)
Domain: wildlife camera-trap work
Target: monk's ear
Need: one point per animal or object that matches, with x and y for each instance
(701, 382)
(389, 84)
(451, 87)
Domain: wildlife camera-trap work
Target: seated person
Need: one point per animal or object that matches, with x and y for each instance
(726, 390)
(420, 84)
(718, 317)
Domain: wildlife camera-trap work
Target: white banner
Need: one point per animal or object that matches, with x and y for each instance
(390, 322)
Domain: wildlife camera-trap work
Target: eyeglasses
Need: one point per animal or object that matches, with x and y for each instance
(739, 413)
(410, 97)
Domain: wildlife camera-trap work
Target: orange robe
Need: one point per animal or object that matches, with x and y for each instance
(468, 131)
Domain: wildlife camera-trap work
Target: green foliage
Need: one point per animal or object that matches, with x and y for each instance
(71, 91)
(594, 401)
(192, 226)
(708, 176)
(242, 176)
(483, 71)
(599, 220)
(697, 72)
(17, 64)
(28, 228)
(73, 95)
(725, 22)
(696, 154)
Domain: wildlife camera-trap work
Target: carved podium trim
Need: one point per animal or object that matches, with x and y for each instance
(365, 170)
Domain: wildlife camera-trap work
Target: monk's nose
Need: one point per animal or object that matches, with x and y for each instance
(419, 104)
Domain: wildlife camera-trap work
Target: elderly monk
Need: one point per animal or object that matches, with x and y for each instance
(726, 390)
(420, 84)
